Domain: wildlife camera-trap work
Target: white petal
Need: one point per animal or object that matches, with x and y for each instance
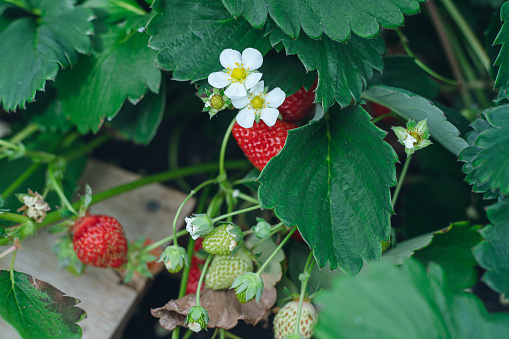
(409, 141)
(258, 88)
(235, 90)
(252, 59)
(246, 118)
(275, 97)
(269, 116)
(240, 102)
(219, 79)
(229, 58)
(252, 79)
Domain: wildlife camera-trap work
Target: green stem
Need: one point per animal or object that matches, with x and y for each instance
(377, 119)
(58, 189)
(193, 192)
(307, 274)
(248, 198)
(231, 335)
(294, 228)
(222, 333)
(423, 66)
(87, 148)
(275, 230)
(187, 335)
(18, 218)
(215, 333)
(25, 133)
(19, 180)
(198, 289)
(7, 251)
(401, 179)
(223, 149)
(224, 216)
(13, 259)
(468, 33)
(243, 181)
(164, 241)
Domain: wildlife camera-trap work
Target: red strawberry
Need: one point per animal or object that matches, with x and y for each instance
(195, 270)
(99, 240)
(261, 143)
(299, 104)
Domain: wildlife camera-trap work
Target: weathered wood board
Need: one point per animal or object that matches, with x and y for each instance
(147, 211)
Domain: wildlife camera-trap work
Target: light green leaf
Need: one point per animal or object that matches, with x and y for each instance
(37, 309)
(35, 48)
(502, 38)
(406, 249)
(121, 67)
(491, 253)
(490, 166)
(139, 123)
(111, 11)
(67, 258)
(333, 180)
(404, 302)
(190, 35)
(334, 18)
(343, 68)
(411, 106)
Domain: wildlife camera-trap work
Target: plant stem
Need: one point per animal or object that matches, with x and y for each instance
(7, 251)
(21, 179)
(468, 33)
(422, 65)
(215, 333)
(307, 274)
(198, 289)
(377, 119)
(87, 148)
(401, 179)
(222, 333)
(163, 241)
(243, 181)
(275, 230)
(294, 228)
(13, 259)
(231, 335)
(248, 198)
(187, 335)
(224, 216)
(18, 218)
(223, 148)
(193, 192)
(58, 189)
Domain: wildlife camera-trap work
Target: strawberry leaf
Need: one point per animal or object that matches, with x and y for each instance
(332, 180)
(334, 18)
(491, 253)
(404, 302)
(343, 69)
(120, 67)
(190, 42)
(35, 48)
(411, 106)
(37, 309)
(502, 38)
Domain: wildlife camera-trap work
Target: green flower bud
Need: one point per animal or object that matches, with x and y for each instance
(174, 258)
(199, 225)
(261, 229)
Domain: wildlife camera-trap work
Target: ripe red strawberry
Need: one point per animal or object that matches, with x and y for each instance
(299, 104)
(195, 270)
(261, 143)
(99, 240)
(285, 319)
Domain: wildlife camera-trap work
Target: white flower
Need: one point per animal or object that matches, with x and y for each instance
(240, 71)
(409, 141)
(195, 327)
(259, 105)
(34, 206)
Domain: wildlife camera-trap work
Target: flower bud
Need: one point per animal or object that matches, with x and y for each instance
(198, 225)
(197, 318)
(174, 258)
(248, 286)
(261, 229)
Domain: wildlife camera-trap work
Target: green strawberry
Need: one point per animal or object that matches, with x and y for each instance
(222, 240)
(224, 269)
(197, 318)
(285, 319)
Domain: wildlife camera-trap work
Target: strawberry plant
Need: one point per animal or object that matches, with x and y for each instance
(348, 159)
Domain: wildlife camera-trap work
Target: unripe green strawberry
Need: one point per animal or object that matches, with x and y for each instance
(284, 321)
(241, 296)
(222, 240)
(197, 318)
(225, 268)
(248, 286)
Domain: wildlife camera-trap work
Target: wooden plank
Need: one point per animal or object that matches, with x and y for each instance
(147, 211)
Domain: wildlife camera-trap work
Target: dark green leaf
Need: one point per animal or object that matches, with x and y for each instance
(401, 303)
(110, 11)
(33, 49)
(334, 18)
(452, 249)
(333, 180)
(121, 67)
(502, 38)
(139, 123)
(37, 309)
(343, 68)
(190, 35)
(411, 106)
(492, 3)
(491, 253)
(402, 72)
(406, 249)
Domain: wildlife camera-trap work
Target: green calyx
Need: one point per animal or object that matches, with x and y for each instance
(174, 258)
(215, 101)
(197, 318)
(247, 287)
(414, 137)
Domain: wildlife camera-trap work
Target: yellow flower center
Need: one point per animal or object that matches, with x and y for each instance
(238, 74)
(257, 102)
